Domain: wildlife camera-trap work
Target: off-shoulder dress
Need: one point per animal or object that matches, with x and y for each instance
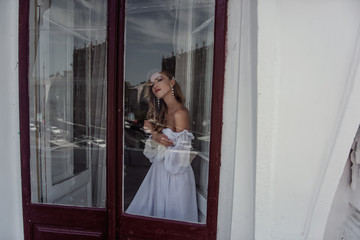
(168, 189)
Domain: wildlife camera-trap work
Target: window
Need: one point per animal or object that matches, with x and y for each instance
(67, 90)
(82, 68)
(176, 37)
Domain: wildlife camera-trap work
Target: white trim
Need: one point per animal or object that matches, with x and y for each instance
(238, 151)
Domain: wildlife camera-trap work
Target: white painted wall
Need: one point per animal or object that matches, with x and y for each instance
(294, 118)
(11, 227)
(308, 112)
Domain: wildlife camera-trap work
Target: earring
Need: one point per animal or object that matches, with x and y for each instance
(158, 103)
(172, 91)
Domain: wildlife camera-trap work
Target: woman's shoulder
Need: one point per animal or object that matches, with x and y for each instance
(181, 112)
(182, 119)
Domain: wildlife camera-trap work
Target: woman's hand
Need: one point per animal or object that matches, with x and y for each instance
(157, 137)
(162, 139)
(148, 127)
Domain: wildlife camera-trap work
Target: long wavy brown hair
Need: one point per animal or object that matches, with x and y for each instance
(157, 115)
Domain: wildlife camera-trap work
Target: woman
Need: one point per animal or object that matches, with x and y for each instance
(168, 190)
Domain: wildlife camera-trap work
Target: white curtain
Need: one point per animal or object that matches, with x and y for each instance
(193, 45)
(67, 90)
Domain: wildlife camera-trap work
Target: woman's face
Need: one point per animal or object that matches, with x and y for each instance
(161, 84)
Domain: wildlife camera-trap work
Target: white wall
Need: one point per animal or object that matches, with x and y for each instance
(11, 226)
(308, 111)
(294, 119)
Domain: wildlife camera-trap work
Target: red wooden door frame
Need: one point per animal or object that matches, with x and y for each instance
(112, 223)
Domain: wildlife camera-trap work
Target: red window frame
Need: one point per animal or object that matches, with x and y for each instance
(44, 220)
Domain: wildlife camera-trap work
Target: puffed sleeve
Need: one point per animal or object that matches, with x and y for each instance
(177, 158)
(154, 151)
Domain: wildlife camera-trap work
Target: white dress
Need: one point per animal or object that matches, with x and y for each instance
(168, 190)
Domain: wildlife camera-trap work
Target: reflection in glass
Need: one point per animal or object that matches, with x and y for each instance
(176, 37)
(67, 91)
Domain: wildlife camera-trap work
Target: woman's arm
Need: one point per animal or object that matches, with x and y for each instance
(156, 136)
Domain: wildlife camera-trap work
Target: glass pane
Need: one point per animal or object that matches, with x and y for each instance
(67, 91)
(168, 80)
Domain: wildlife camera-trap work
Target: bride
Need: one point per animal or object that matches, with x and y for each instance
(168, 190)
